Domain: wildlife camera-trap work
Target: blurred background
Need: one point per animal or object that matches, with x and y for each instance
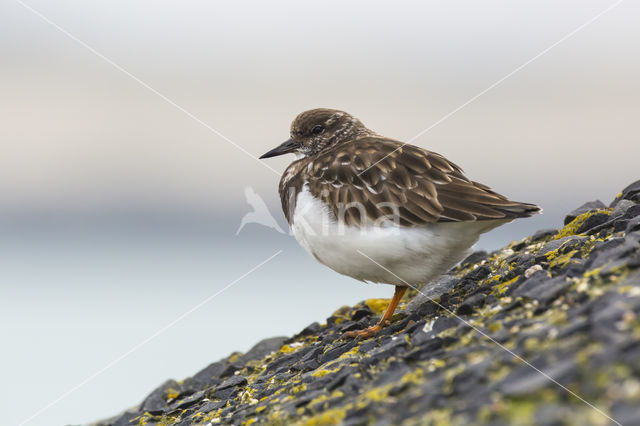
(119, 211)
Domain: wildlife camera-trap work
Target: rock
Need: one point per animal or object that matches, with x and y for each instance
(210, 375)
(471, 303)
(631, 212)
(478, 273)
(336, 351)
(592, 222)
(432, 291)
(232, 382)
(187, 401)
(443, 323)
(157, 400)
(633, 225)
(544, 290)
(262, 349)
(569, 241)
(621, 208)
(626, 413)
(542, 234)
(586, 207)
(631, 193)
(526, 380)
(229, 387)
(483, 344)
(475, 257)
(532, 270)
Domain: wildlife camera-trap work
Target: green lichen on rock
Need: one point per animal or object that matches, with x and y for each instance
(524, 335)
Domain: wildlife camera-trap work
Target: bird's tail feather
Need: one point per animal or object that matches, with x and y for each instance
(521, 210)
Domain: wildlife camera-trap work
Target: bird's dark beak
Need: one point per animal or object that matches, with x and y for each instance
(286, 147)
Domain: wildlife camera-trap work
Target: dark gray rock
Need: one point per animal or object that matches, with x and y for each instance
(470, 303)
(475, 257)
(425, 348)
(263, 348)
(187, 401)
(592, 222)
(478, 273)
(229, 387)
(542, 234)
(310, 330)
(432, 291)
(157, 400)
(621, 208)
(631, 192)
(444, 323)
(210, 375)
(571, 240)
(633, 225)
(571, 320)
(626, 413)
(336, 351)
(585, 208)
(234, 381)
(527, 380)
(124, 419)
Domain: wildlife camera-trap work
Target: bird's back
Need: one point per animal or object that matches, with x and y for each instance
(372, 177)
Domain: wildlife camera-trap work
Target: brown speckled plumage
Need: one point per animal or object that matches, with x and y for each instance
(378, 210)
(352, 164)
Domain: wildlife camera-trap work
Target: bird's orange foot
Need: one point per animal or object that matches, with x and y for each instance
(365, 333)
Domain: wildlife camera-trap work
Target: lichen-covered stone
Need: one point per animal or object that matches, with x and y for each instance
(540, 332)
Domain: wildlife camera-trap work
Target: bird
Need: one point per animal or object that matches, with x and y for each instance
(380, 210)
(260, 213)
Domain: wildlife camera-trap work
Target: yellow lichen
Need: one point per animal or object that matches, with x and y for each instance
(440, 417)
(318, 400)
(324, 372)
(520, 412)
(561, 260)
(434, 364)
(337, 394)
(592, 273)
(378, 394)
(414, 377)
(378, 306)
(572, 227)
(172, 393)
(144, 418)
(350, 353)
(495, 326)
(502, 287)
(289, 348)
(491, 279)
(299, 388)
(531, 343)
(334, 416)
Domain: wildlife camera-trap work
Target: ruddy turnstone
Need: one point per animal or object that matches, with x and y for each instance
(354, 196)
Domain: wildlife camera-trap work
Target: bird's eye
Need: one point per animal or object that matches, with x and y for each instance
(317, 130)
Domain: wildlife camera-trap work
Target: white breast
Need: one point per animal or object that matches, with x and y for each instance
(416, 255)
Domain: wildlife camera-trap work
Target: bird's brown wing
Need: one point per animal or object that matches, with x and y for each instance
(374, 177)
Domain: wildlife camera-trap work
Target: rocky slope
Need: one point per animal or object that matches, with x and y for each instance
(544, 331)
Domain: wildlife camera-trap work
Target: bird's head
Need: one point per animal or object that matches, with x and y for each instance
(317, 130)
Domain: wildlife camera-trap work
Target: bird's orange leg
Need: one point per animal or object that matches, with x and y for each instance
(384, 321)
